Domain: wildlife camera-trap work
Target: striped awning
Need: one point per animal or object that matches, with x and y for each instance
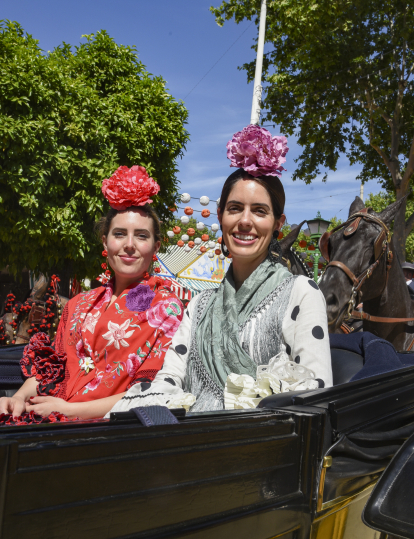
(180, 291)
(196, 285)
(176, 259)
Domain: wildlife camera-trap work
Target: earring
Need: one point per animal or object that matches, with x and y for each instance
(104, 278)
(224, 249)
(275, 251)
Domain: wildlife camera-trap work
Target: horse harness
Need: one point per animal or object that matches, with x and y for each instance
(381, 248)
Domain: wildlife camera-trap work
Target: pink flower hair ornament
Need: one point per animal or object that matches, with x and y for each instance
(129, 187)
(257, 152)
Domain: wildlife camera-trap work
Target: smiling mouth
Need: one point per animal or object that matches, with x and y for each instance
(244, 239)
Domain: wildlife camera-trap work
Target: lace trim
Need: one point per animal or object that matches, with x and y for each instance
(268, 300)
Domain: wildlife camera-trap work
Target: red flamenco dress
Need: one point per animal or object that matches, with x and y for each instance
(101, 351)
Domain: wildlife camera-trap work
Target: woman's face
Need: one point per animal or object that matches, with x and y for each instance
(130, 244)
(248, 221)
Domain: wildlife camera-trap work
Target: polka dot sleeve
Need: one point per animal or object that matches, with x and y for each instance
(305, 330)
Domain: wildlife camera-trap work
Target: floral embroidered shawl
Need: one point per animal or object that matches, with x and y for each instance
(101, 351)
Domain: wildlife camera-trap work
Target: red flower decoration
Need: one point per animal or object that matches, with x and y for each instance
(129, 187)
(154, 258)
(105, 253)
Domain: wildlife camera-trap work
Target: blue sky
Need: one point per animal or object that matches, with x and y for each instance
(179, 40)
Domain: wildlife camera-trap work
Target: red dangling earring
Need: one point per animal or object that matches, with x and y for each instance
(157, 268)
(104, 277)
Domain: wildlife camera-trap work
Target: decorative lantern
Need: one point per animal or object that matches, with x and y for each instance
(197, 241)
(218, 201)
(200, 225)
(188, 210)
(184, 237)
(184, 219)
(204, 201)
(190, 231)
(198, 252)
(205, 213)
(170, 233)
(211, 244)
(210, 254)
(219, 240)
(180, 243)
(176, 230)
(205, 237)
(229, 255)
(215, 227)
(302, 244)
(280, 236)
(203, 249)
(217, 252)
(311, 247)
(185, 197)
(173, 209)
(221, 256)
(191, 244)
(187, 249)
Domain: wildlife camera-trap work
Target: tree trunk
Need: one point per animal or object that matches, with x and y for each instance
(399, 227)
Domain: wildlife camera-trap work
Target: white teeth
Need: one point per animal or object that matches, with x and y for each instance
(244, 237)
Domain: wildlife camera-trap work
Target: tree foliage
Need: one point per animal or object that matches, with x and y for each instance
(338, 76)
(68, 119)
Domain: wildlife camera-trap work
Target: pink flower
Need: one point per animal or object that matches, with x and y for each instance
(90, 321)
(166, 315)
(80, 350)
(106, 297)
(108, 368)
(257, 152)
(117, 334)
(129, 187)
(93, 384)
(134, 362)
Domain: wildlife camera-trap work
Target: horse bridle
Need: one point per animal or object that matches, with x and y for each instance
(381, 248)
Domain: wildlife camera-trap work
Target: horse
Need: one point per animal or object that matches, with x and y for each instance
(362, 268)
(290, 258)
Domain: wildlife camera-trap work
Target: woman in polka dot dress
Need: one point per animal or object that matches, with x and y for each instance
(260, 313)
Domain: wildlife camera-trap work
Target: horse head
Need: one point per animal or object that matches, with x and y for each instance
(360, 256)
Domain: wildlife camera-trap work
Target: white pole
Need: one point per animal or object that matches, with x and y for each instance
(257, 90)
(361, 192)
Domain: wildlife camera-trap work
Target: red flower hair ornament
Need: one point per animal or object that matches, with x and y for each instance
(129, 187)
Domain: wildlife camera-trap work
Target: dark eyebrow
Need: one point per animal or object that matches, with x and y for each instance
(118, 229)
(254, 203)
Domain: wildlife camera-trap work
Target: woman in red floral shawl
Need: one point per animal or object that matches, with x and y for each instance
(114, 336)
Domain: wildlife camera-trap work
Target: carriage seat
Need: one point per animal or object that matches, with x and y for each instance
(345, 365)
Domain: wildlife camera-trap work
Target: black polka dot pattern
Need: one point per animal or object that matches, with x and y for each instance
(321, 383)
(181, 349)
(186, 312)
(297, 359)
(288, 349)
(170, 381)
(317, 332)
(145, 386)
(313, 284)
(295, 312)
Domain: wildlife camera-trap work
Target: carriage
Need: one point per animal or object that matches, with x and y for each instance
(302, 465)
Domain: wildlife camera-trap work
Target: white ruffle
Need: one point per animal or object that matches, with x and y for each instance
(279, 376)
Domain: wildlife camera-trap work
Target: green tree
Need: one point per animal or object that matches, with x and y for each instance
(191, 224)
(338, 75)
(379, 202)
(68, 119)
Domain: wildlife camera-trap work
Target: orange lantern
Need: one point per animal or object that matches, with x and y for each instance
(173, 209)
(218, 252)
(302, 244)
(191, 231)
(191, 244)
(180, 243)
(219, 240)
(229, 255)
(188, 210)
(176, 230)
(311, 247)
(280, 236)
(310, 264)
(205, 237)
(203, 249)
(320, 266)
(205, 213)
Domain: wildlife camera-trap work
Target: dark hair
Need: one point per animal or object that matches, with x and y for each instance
(272, 184)
(104, 223)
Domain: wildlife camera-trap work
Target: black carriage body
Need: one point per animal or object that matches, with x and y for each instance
(255, 474)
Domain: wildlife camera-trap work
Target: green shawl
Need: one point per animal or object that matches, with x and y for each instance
(217, 333)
